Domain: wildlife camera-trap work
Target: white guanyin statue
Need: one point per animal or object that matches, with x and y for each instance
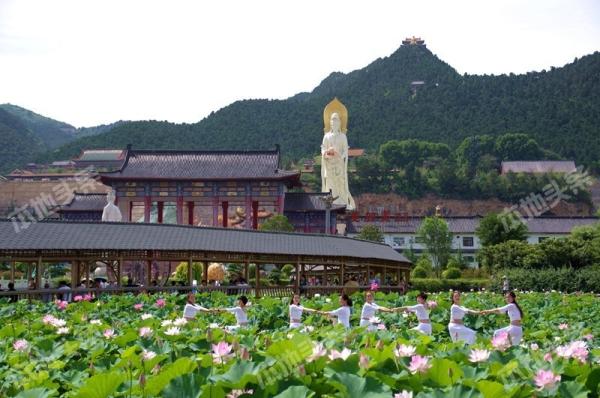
(111, 212)
(334, 154)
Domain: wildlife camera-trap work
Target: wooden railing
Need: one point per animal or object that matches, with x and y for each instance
(270, 291)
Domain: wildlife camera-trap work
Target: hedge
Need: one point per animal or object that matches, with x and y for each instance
(565, 279)
(441, 285)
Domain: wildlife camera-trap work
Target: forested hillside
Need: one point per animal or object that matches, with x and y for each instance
(559, 108)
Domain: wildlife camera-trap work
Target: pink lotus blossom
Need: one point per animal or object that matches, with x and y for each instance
(58, 323)
(405, 350)
(374, 286)
(20, 345)
(160, 303)
(318, 351)
(180, 321)
(78, 298)
(344, 354)
(432, 304)
(548, 357)
(363, 361)
(221, 351)
(148, 355)
(96, 322)
(61, 305)
(87, 297)
(419, 364)
(174, 331)
(381, 326)
(146, 316)
(145, 331)
(138, 306)
(501, 341)
(563, 326)
(479, 355)
(546, 379)
(109, 333)
(589, 337)
(63, 330)
(575, 349)
(534, 347)
(239, 393)
(48, 319)
(404, 394)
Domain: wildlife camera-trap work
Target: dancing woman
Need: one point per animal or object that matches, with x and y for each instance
(368, 311)
(515, 314)
(241, 316)
(342, 314)
(191, 308)
(421, 310)
(296, 312)
(456, 327)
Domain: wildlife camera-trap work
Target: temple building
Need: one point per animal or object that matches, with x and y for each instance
(230, 189)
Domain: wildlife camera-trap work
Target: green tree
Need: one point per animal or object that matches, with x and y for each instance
(277, 223)
(181, 272)
(493, 229)
(517, 147)
(371, 232)
(437, 239)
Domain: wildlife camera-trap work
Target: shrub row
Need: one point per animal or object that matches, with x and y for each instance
(565, 279)
(441, 285)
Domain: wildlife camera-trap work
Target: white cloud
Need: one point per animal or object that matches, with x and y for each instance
(91, 62)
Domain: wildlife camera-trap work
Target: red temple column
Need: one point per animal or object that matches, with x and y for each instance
(180, 210)
(147, 207)
(215, 205)
(255, 214)
(249, 216)
(280, 204)
(190, 213)
(225, 206)
(160, 207)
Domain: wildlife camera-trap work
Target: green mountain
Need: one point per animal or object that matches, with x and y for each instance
(559, 108)
(18, 145)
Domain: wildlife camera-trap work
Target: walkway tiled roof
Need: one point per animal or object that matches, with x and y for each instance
(307, 201)
(86, 202)
(468, 225)
(201, 165)
(61, 235)
(93, 155)
(538, 166)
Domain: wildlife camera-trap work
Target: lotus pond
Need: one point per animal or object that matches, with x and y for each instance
(139, 346)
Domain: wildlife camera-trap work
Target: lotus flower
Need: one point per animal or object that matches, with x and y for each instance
(374, 286)
(148, 355)
(344, 354)
(546, 379)
(404, 394)
(96, 322)
(381, 326)
(58, 323)
(20, 345)
(166, 322)
(318, 351)
(374, 320)
(432, 304)
(221, 350)
(501, 341)
(146, 316)
(317, 295)
(138, 306)
(589, 337)
(109, 333)
(548, 357)
(419, 364)
(363, 361)
(405, 351)
(479, 355)
(63, 330)
(87, 297)
(328, 300)
(563, 326)
(173, 331)
(180, 321)
(78, 298)
(213, 325)
(534, 347)
(160, 303)
(61, 305)
(238, 393)
(48, 319)
(145, 331)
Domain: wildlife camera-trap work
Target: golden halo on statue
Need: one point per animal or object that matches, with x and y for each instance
(335, 106)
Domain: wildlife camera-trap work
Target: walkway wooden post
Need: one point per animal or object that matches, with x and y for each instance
(246, 270)
(205, 272)
(368, 274)
(342, 274)
(148, 273)
(190, 275)
(38, 273)
(257, 279)
(297, 288)
(120, 272)
(12, 271)
(87, 274)
(383, 282)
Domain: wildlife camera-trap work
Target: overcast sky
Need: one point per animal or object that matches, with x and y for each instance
(93, 62)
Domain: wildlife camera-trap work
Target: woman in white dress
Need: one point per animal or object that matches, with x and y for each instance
(514, 330)
(241, 316)
(456, 327)
(368, 311)
(421, 310)
(342, 314)
(191, 308)
(296, 312)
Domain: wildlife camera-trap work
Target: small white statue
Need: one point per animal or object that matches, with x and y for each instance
(111, 212)
(334, 158)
